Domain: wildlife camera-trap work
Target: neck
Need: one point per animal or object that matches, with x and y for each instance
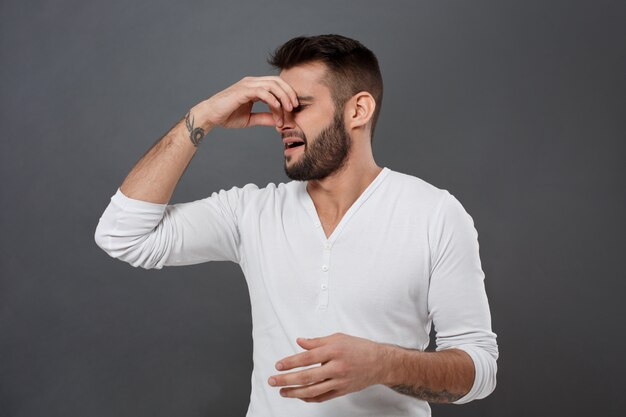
(335, 194)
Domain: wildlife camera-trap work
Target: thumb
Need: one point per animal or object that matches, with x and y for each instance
(261, 119)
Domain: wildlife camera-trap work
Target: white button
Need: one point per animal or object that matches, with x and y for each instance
(325, 268)
(318, 224)
(324, 286)
(327, 245)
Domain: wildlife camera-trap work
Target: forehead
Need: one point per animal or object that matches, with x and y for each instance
(307, 79)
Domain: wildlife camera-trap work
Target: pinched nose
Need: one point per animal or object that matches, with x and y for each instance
(288, 122)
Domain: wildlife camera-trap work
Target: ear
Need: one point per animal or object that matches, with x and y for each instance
(360, 110)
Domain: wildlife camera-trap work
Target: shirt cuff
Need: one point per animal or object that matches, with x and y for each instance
(485, 367)
(126, 202)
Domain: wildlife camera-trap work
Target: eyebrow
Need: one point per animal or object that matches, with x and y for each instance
(305, 98)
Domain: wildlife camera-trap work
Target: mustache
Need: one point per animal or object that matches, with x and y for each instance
(293, 134)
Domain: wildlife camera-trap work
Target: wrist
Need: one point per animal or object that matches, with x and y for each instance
(391, 363)
(196, 125)
(399, 365)
(200, 113)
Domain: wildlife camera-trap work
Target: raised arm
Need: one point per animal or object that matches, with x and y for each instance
(154, 177)
(140, 228)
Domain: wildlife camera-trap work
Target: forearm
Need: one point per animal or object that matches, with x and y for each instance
(155, 176)
(438, 377)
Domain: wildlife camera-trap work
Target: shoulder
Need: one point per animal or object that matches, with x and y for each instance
(414, 189)
(270, 190)
(251, 195)
(438, 201)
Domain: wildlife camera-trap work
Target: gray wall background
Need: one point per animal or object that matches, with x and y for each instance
(517, 108)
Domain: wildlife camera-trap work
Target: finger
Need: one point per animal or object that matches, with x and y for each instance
(311, 343)
(309, 391)
(293, 96)
(310, 357)
(273, 85)
(261, 119)
(270, 99)
(289, 89)
(303, 377)
(329, 395)
(264, 95)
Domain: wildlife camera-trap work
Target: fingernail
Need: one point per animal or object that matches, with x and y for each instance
(279, 366)
(272, 381)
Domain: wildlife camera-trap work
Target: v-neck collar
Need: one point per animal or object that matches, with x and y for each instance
(307, 201)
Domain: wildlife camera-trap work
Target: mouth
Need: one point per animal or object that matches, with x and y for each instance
(292, 146)
(292, 142)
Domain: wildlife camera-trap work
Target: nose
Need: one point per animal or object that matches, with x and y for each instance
(288, 122)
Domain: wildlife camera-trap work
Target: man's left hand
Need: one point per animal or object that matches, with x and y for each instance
(348, 364)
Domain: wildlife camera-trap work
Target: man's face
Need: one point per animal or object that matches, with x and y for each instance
(316, 122)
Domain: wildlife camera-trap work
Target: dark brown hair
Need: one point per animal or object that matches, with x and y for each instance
(352, 67)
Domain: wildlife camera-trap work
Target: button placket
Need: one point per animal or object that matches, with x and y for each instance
(325, 276)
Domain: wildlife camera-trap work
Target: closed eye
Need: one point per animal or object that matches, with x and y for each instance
(300, 108)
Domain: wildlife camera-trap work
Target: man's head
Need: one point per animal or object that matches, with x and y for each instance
(351, 67)
(327, 72)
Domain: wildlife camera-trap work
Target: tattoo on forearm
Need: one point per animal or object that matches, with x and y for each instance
(427, 394)
(195, 134)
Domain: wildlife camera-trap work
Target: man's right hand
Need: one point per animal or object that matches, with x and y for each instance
(232, 107)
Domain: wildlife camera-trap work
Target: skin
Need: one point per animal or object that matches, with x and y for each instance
(349, 364)
(299, 101)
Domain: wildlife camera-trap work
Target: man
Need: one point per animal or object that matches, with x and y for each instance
(347, 265)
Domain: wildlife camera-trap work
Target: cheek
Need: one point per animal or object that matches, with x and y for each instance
(312, 126)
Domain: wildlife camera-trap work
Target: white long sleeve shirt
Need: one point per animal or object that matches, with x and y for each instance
(405, 255)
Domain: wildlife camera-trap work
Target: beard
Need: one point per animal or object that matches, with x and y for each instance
(323, 156)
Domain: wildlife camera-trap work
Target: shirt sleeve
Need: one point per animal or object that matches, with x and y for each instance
(151, 235)
(457, 300)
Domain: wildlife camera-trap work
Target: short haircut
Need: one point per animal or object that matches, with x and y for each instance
(352, 67)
